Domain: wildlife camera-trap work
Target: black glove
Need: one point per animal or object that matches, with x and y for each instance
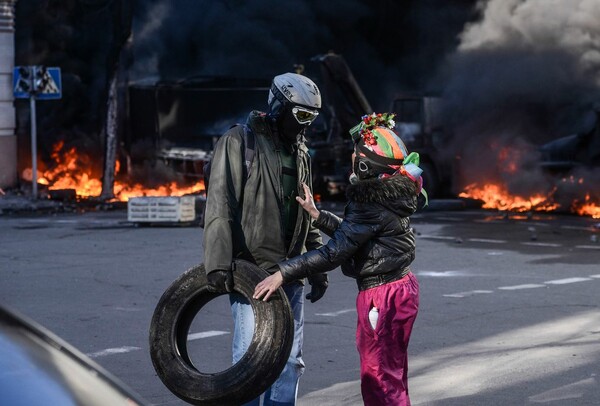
(318, 283)
(220, 281)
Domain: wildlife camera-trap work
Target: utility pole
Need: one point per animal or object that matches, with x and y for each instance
(122, 13)
(36, 82)
(8, 138)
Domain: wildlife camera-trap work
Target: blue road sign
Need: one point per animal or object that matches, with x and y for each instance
(44, 83)
(22, 82)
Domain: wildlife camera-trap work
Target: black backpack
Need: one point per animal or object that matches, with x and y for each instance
(249, 152)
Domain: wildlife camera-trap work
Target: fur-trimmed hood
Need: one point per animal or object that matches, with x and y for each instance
(397, 193)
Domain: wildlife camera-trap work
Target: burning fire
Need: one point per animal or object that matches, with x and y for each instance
(564, 194)
(73, 170)
(496, 196)
(587, 208)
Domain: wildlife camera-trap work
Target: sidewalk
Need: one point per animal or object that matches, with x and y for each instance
(12, 202)
(15, 203)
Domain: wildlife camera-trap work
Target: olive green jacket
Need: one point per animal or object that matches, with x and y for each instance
(244, 215)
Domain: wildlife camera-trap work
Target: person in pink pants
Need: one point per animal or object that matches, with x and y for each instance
(383, 349)
(375, 245)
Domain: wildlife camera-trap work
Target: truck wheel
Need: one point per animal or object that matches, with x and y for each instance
(250, 376)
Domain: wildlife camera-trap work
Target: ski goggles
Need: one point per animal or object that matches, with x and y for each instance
(303, 115)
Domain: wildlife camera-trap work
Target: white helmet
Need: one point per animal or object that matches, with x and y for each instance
(295, 89)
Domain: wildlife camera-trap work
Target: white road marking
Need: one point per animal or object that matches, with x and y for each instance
(127, 309)
(566, 281)
(519, 287)
(539, 224)
(111, 351)
(588, 247)
(575, 228)
(438, 237)
(525, 286)
(487, 240)
(489, 221)
(542, 244)
(470, 293)
(123, 350)
(449, 218)
(334, 314)
(575, 390)
(206, 334)
(444, 274)
(447, 237)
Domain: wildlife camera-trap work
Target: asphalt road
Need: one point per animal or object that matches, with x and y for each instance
(509, 312)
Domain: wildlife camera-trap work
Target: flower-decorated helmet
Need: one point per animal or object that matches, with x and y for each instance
(380, 152)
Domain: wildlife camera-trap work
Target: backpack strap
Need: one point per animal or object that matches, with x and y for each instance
(249, 149)
(249, 146)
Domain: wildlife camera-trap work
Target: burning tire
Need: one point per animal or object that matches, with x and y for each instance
(243, 381)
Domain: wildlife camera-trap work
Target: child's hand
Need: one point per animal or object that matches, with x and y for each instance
(308, 202)
(268, 286)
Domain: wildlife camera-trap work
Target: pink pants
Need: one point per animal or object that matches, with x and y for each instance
(383, 350)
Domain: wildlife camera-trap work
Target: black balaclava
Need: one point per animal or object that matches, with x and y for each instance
(288, 128)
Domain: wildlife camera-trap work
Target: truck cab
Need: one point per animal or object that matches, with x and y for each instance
(420, 124)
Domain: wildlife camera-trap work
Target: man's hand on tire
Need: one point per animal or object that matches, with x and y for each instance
(318, 283)
(220, 280)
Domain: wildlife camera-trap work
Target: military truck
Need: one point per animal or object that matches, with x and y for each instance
(419, 122)
(582, 149)
(177, 123)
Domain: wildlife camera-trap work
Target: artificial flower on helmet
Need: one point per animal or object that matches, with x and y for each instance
(381, 153)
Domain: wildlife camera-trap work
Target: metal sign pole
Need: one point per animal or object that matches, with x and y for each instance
(34, 185)
(36, 82)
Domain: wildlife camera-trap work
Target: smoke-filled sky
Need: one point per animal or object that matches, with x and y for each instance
(514, 72)
(478, 53)
(525, 72)
(388, 44)
(536, 51)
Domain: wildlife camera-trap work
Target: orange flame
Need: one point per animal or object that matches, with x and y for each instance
(73, 170)
(587, 208)
(508, 159)
(496, 196)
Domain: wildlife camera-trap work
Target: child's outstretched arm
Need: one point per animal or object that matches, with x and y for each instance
(267, 286)
(308, 203)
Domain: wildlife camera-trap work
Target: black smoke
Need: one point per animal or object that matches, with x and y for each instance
(389, 45)
(83, 38)
(525, 72)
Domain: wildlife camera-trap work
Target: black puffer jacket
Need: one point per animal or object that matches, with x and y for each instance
(374, 238)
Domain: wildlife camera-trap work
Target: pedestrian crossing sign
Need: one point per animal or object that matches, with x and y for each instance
(42, 82)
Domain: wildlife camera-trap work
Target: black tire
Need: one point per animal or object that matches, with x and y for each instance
(243, 381)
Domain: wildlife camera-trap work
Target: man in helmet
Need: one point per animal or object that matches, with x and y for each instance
(375, 245)
(252, 212)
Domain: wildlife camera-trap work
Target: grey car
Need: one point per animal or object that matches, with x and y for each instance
(39, 368)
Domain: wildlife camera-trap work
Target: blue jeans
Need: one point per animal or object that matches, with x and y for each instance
(284, 390)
